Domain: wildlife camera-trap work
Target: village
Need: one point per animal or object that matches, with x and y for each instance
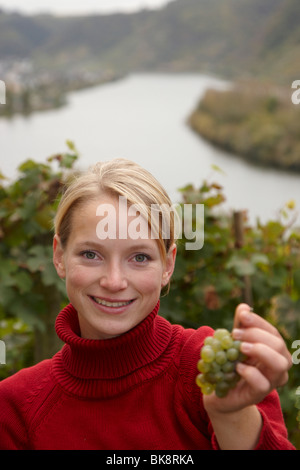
(26, 89)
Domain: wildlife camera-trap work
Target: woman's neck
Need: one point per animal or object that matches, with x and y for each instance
(85, 365)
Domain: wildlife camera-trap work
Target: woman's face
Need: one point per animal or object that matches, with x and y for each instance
(113, 283)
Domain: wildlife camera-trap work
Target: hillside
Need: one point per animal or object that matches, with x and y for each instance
(256, 122)
(228, 37)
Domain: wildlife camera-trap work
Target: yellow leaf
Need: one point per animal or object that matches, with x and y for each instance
(291, 204)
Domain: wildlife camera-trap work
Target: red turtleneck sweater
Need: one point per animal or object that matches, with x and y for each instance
(133, 392)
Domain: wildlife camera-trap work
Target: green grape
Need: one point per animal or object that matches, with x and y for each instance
(222, 388)
(200, 380)
(228, 366)
(214, 367)
(232, 354)
(218, 359)
(219, 376)
(221, 357)
(226, 342)
(236, 344)
(207, 388)
(210, 377)
(216, 345)
(221, 333)
(208, 340)
(231, 377)
(203, 366)
(207, 354)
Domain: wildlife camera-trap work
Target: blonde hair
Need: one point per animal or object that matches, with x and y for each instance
(118, 177)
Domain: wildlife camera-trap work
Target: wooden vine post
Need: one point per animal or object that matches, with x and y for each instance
(238, 226)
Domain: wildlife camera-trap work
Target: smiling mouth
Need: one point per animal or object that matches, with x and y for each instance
(112, 304)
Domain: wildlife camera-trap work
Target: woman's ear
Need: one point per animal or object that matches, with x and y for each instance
(58, 257)
(169, 265)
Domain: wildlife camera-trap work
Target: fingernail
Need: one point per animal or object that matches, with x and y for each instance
(246, 347)
(246, 316)
(237, 333)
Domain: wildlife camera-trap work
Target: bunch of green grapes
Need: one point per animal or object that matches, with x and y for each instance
(217, 365)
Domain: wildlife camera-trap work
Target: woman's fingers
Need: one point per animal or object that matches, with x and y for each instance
(245, 318)
(255, 329)
(268, 357)
(271, 363)
(255, 379)
(241, 308)
(262, 336)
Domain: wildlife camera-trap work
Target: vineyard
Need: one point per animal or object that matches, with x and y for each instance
(258, 264)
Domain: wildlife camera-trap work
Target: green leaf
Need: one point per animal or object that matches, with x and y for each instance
(28, 166)
(187, 188)
(2, 176)
(68, 160)
(260, 258)
(7, 297)
(23, 282)
(50, 276)
(71, 146)
(26, 309)
(44, 218)
(242, 267)
(8, 269)
(40, 256)
(218, 169)
(274, 231)
(214, 200)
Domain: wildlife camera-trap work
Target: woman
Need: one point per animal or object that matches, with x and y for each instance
(125, 378)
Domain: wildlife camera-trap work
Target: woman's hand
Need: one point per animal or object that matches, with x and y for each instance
(235, 418)
(265, 369)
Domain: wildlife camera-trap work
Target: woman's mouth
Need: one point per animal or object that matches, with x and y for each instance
(111, 303)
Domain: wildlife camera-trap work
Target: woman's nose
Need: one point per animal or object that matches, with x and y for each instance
(113, 278)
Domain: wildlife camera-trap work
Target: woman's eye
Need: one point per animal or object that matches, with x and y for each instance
(89, 254)
(140, 258)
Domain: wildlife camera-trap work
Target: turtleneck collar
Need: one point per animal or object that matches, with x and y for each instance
(83, 364)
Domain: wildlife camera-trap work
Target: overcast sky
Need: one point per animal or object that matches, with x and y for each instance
(71, 7)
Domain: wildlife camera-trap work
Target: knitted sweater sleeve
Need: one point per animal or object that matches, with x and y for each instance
(13, 429)
(21, 396)
(274, 433)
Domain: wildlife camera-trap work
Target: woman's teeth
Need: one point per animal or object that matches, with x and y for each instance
(111, 304)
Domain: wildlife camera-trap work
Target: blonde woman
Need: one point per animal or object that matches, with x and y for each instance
(125, 378)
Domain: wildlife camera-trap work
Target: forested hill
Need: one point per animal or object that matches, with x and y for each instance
(228, 37)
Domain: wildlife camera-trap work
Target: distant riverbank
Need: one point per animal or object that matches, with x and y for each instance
(143, 118)
(259, 123)
(26, 94)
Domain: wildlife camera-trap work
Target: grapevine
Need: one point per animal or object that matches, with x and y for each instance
(217, 364)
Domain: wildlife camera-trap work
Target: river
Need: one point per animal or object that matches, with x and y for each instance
(143, 117)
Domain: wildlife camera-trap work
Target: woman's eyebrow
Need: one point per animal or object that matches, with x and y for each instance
(141, 247)
(132, 246)
(88, 243)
